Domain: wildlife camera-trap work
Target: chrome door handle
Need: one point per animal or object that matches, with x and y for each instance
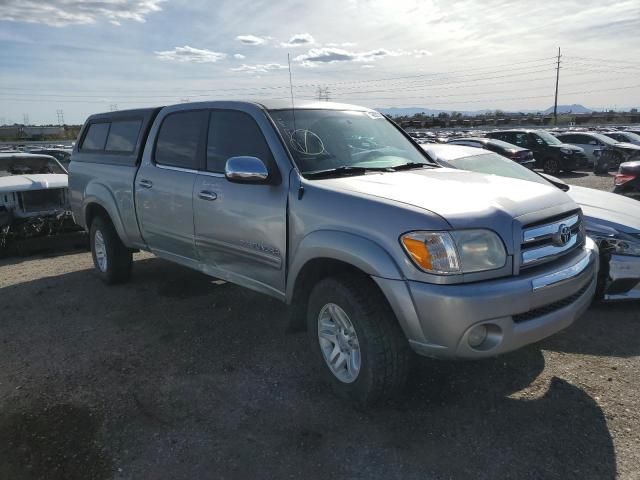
(206, 195)
(145, 183)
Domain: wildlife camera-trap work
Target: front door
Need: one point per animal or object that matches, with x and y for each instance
(240, 229)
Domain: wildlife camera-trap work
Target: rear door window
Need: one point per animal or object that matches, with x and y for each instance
(179, 138)
(123, 136)
(234, 134)
(96, 136)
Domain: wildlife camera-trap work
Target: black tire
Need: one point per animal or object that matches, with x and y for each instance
(384, 350)
(119, 258)
(551, 166)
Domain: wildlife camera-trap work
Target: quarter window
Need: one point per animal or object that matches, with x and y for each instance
(96, 136)
(178, 139)
(233, 134)
(123, 136)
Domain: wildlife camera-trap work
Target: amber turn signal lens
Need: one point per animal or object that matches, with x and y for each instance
(418, 251)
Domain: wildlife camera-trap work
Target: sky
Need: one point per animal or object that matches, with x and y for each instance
(72, 58)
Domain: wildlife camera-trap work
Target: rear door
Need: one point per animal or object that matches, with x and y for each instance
(240, 229)
(587, 143)
(164, 185)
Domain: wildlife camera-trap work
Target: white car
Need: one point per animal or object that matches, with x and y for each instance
(626, 137)
(33, 198)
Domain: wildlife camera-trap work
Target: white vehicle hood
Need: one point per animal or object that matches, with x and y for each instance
(607, 209)
(41, 181)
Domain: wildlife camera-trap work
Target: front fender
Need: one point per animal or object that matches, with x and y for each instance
(349, 248)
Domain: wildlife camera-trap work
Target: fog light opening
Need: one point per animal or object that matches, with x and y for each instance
(477, 336)
(484, 337)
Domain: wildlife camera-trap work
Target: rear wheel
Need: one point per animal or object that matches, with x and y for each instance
(551, 166)
(362, 351)
(111, 258)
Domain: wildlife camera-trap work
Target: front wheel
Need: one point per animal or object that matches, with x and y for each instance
(362, 351)
(551, 166)
(111, 258)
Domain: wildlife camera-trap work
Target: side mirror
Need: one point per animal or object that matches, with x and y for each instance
(246, 170)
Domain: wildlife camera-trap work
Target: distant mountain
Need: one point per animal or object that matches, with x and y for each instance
(575, 108)
(409, 111)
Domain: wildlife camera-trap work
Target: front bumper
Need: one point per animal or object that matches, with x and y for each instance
(623, 281)
(516, 311)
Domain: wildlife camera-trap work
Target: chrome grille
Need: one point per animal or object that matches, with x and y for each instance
(545, 242)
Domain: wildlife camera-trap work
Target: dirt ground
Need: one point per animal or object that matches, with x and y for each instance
(175, 376)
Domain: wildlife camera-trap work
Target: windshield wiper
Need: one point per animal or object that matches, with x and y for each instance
(410, 165)
(345, 170)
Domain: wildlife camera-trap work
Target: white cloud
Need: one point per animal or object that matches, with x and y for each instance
(59, 13)
(260, 68)
(190, 54)
(239, 56)
(334, 55)
(252, 39)
(299, 40)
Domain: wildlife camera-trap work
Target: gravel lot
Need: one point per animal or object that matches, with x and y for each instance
(175, 376)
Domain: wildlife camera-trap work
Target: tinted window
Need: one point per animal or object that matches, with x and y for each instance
(123, 136)
(233, 134)
(96, 136)
(178, 139)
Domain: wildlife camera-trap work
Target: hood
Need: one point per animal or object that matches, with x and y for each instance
(627, 146)
(607, 209)
(41, 181)
(568, 146)
(464, 199)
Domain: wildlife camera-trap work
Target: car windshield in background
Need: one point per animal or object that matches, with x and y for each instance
(494, 164)
(29, 166)
(345, 141)
(604, 139)
(548, 138)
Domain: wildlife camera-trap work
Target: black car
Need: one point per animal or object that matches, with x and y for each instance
(523, 156)
(550, 153)
(627, 180)
(60, 154)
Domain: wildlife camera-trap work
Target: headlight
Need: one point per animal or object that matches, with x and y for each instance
(449, 253)
(566, 151)
(618, 243)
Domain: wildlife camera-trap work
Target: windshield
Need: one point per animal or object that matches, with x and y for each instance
(327, 139)
(548, 138)
(604, 139)
(29, 165)
(495, 164)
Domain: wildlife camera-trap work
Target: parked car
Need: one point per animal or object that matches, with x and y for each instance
(611, 220)
(624, 137)
(60, 154)
(276, 200)
(550, 153)
(34, 199)
(613, 152)
(627, 181)
(523, 156)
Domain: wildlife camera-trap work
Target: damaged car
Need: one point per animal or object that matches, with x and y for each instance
(34, 199)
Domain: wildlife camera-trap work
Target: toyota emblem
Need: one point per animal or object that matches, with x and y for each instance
(562, 236)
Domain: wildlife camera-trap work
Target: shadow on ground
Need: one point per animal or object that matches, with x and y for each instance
(173, 376)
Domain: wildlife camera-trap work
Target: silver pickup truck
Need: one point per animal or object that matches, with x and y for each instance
(334, 210)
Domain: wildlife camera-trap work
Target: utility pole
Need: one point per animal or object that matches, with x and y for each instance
(323, 94)
(60, 114)
(555, 104)
(25, 119)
